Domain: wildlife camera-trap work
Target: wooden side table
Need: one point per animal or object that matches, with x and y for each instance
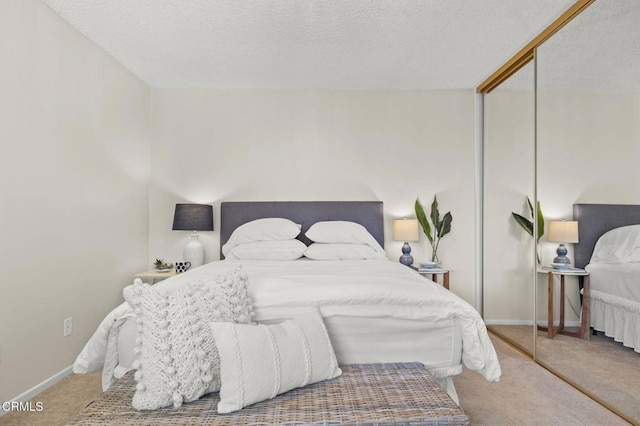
(434, 275)
(154, 275)
(583, 333)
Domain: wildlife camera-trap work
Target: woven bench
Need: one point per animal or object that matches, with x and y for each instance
(368, 394)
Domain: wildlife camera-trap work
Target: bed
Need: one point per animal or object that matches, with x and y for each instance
(375, 310)
(608, 235)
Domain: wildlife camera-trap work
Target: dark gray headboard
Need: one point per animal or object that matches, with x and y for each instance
(367, 213)
(596, 219)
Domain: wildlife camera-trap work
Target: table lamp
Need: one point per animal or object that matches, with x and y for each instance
(563, 231)
(193, 217)
(406, 230)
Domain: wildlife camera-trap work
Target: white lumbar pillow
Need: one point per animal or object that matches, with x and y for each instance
(258, 362)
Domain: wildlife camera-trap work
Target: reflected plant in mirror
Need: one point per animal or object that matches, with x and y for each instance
(527, 224)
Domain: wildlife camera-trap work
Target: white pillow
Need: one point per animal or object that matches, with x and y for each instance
(268, 250)
(620, 245)
(177, 360)
(258, 362)
(338, 231)
(326, 251)
(267, 229)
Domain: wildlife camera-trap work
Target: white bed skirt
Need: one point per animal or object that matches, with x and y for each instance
(618, 318)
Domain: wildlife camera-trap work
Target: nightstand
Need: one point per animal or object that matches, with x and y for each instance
(583, 333)
(154, 275)
(434, 272)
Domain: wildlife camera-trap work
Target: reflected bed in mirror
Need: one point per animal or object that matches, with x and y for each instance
(604, 365)
(609, 250)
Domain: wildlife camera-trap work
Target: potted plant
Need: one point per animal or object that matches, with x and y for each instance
(441, 226)
(160, 265)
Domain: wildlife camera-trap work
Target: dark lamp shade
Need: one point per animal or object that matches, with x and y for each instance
(193, 217)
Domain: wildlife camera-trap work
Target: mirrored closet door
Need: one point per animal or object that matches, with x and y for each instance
(588, 152)
(509, 250)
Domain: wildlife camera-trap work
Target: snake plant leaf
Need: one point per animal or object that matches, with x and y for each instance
(526, 224)
(422, 219)
(444, 227)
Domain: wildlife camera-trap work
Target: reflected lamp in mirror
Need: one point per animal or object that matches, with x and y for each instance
(193, 217)
(406, 230)
(562, 231)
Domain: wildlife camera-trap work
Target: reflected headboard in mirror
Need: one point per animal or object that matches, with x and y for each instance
(596, 219)
(367, 213)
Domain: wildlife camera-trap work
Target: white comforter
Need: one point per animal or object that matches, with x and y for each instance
(370, 288)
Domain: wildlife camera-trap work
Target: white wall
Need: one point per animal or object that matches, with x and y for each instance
(74, 206)
(221, 145)
(589, 150)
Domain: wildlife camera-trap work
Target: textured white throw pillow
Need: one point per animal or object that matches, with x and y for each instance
(345, 232)
(258, 362)
(177, 360)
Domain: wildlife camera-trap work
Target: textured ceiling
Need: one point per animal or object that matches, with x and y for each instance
(354, 44)
(599, 51)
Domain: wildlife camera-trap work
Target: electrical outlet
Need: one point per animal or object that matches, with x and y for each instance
(68, 327)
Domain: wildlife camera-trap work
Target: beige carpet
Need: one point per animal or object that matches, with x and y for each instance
(526, 395)
(60, 402)
(601, 365)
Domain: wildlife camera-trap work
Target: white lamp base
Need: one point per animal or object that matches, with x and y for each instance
(194, 251)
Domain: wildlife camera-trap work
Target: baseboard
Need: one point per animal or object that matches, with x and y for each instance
(557, 323)
(542, 323)
(25, 396)
(508, 322)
